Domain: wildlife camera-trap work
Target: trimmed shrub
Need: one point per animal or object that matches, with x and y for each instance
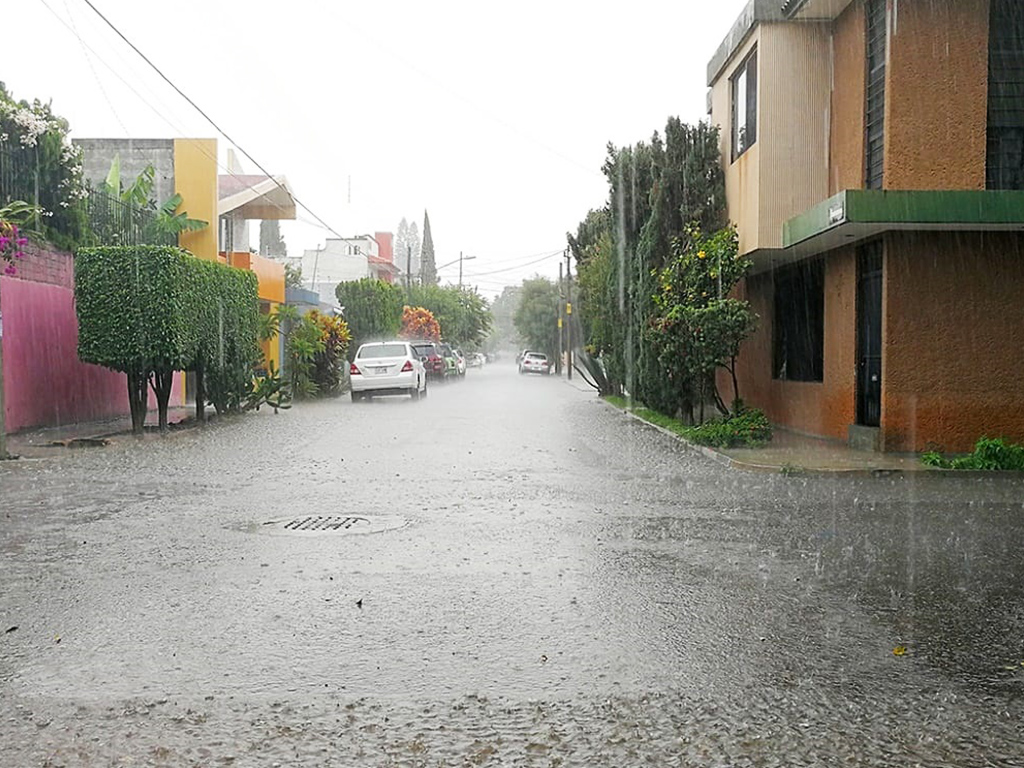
(149, 311)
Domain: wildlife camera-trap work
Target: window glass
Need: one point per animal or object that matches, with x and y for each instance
(799, 329)
(744, 106)
(382, 350)
(1005, 166)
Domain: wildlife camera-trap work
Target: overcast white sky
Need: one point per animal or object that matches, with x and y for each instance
(494, 117)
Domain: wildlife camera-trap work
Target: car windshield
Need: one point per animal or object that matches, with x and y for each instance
(760, 502)
(382, 350)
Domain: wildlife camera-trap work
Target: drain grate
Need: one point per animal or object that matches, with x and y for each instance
(332, 524)
(325, 523)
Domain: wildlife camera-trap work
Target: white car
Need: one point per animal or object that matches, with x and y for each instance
(387, 368)
(535, 362)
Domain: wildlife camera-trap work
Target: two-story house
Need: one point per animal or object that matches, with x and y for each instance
(874, 160)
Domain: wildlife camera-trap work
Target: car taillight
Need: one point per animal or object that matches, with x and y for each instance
(407, 367)
(353, 370)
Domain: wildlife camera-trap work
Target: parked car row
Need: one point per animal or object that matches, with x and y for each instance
(403, 367)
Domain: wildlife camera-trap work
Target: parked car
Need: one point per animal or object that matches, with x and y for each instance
(387, 368)
(429, 354)
(535, 362)
(451, 366)
(460, 362)
(476, 360)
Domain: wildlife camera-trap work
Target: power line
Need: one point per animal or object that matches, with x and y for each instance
(517, 266)
(88, 59)
(86, 47)
(208, 119)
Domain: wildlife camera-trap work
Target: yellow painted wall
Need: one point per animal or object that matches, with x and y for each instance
(271, 349)
(742, 177)
(195, 179)
(794, 102)
(785, 172)
(270, 276)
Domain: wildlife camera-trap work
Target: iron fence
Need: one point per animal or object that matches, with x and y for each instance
(115, 222)
(110, 220)
(19, 178)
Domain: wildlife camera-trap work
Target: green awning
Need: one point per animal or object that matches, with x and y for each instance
(857, 214)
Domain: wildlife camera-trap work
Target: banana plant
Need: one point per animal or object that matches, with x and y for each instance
(139, 193)
(169, 222)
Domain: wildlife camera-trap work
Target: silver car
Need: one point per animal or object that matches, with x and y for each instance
(387, 368)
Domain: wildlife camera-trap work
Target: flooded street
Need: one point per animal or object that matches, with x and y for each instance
(563, 587)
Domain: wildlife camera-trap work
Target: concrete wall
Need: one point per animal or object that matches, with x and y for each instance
(937, 94)
(323, 270)
(824, 408)
(953, 335)
(795, 82)
(849, 84)
(135, 155)
(786, 171)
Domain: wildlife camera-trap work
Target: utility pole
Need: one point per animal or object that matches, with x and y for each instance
(316, 264)
(568, 314)
(408, 270)
(460, 270)
(561, 336)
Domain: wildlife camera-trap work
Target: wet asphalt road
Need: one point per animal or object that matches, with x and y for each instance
(571, 589)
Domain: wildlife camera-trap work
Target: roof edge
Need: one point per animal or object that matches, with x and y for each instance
(755, 13)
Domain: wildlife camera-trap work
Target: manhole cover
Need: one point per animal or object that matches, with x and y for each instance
(332, 524)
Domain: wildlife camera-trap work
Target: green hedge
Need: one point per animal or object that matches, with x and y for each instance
(148, 311)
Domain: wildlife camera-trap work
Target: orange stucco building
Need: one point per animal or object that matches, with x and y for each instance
(874, 162)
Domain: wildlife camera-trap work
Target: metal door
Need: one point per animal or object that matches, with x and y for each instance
(869, 334)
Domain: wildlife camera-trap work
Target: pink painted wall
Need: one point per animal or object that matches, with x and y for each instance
(45, 384)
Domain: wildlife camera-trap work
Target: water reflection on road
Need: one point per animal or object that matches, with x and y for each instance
(571, 589)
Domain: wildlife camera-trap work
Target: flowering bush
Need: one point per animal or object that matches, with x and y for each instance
(11, 243)
(419, 323)
(39, 158)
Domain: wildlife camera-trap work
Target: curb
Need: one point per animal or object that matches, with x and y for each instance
(747, 466)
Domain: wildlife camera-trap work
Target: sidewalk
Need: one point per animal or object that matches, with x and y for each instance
(36, 443)
(791, 453)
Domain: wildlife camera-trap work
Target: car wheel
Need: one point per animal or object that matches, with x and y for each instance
(414, 392)
(356, 396)
(424, 392)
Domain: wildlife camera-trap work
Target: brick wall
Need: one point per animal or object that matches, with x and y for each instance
(45, 264)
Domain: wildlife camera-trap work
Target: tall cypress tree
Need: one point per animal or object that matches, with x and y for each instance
(428, 268)
(271, 242)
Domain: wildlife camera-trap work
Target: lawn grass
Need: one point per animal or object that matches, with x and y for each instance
(749, 429)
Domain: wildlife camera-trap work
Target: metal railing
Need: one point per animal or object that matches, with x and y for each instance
(19, 178)
(115, 222)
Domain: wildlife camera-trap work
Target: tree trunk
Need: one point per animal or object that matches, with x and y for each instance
(735, 382)
(162, 383)
(137, 396)
(200, 395)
